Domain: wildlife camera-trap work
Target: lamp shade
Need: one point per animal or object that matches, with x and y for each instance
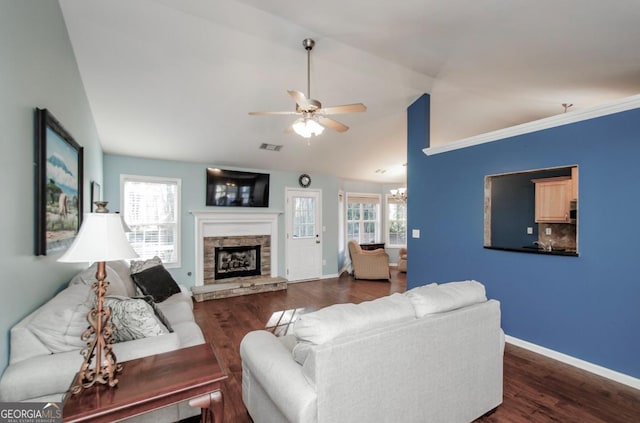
(101, 238)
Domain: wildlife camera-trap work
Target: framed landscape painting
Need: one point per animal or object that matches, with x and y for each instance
(58, 185)
(95, 194)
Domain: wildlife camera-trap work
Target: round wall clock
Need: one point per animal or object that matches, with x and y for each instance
(304, 180)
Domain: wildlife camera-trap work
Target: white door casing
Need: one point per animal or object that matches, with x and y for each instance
(303, 241)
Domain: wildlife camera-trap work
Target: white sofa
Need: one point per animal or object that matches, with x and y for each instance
(45, 346)
(433, 354)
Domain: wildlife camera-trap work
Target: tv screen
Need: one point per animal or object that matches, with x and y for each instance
(233, 188)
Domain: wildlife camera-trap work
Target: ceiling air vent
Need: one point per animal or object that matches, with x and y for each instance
(270, 147)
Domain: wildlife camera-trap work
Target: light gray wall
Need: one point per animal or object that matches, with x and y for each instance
(38, 70)
(193, 178)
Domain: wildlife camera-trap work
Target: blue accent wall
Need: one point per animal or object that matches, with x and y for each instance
(588, 306)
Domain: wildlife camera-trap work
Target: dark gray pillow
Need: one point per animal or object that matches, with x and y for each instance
(157, 282)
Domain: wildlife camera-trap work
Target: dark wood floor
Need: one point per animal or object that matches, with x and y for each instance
(536, 388)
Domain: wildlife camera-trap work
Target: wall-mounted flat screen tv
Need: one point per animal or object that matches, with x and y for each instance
(233, 188)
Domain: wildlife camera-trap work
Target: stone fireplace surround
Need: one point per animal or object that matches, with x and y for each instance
(214, 245)
(235, 224)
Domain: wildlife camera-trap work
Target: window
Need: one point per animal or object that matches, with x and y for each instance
(304, 217)
(151, 208)
(396, 222)
(363, 218)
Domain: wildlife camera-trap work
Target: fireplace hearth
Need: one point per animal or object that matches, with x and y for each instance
(234, 262)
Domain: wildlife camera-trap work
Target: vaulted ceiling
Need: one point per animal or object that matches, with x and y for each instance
(175, 79)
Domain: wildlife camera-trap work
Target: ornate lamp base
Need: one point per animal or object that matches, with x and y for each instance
(105, 369)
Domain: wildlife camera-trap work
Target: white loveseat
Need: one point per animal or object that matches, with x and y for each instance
(45, 346)
(433, 354)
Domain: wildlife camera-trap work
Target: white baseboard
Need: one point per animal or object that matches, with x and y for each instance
(576, 362)
(311, 280)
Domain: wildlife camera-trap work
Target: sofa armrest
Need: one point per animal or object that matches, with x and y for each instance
(267, 361)
(39, 376)
(51, 374)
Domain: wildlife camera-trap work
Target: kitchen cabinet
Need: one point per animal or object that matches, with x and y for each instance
(553, 199)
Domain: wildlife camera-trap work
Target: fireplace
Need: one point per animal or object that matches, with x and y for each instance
(225, 237)
(234, 262)
(231, 258)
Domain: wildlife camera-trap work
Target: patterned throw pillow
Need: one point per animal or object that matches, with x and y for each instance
(133, 318)
(138, 266)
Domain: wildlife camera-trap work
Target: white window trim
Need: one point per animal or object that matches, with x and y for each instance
(388, 244)
(160, 179)
(373, 196)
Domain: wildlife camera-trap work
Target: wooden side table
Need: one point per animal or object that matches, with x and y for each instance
(153, 382)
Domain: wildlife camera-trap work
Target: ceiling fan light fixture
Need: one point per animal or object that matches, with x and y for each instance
(307, 126)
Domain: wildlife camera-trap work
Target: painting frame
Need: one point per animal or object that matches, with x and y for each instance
(59, 180)
(95, 195)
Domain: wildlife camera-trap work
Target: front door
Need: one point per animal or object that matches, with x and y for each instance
(304, 234)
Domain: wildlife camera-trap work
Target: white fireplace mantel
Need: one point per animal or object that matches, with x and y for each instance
(234, 223)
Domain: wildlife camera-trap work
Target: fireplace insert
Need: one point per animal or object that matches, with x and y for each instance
(237, 261)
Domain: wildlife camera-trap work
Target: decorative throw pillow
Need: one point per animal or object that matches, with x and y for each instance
(138, 266)
(118, 276)
(157, 282)
(60, 322)
(133, 318)
(159, 314)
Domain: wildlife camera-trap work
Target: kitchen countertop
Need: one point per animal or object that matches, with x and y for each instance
(534, 250)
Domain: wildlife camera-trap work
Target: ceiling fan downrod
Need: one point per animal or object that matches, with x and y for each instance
(308, 44)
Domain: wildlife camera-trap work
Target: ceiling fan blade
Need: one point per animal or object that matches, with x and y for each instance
(345, 108)
(273, 113)
(333, 124)
(299, 97)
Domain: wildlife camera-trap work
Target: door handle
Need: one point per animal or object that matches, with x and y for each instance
(317, 239)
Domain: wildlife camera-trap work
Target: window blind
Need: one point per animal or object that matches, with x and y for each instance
(151, 209)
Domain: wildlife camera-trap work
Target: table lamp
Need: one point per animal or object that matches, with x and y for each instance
(101, 238)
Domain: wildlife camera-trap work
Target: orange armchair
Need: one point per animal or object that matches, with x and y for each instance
(369, 264)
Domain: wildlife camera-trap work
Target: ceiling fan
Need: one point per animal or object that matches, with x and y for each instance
(313, 117)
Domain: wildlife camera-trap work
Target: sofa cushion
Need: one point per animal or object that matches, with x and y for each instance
(435, 298)
(133, 318)
(176, 311)
(118, 276)
(59, 323)
(157, 282)
(341, 319)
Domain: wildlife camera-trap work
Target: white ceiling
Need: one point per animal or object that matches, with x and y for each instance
(175, 79)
